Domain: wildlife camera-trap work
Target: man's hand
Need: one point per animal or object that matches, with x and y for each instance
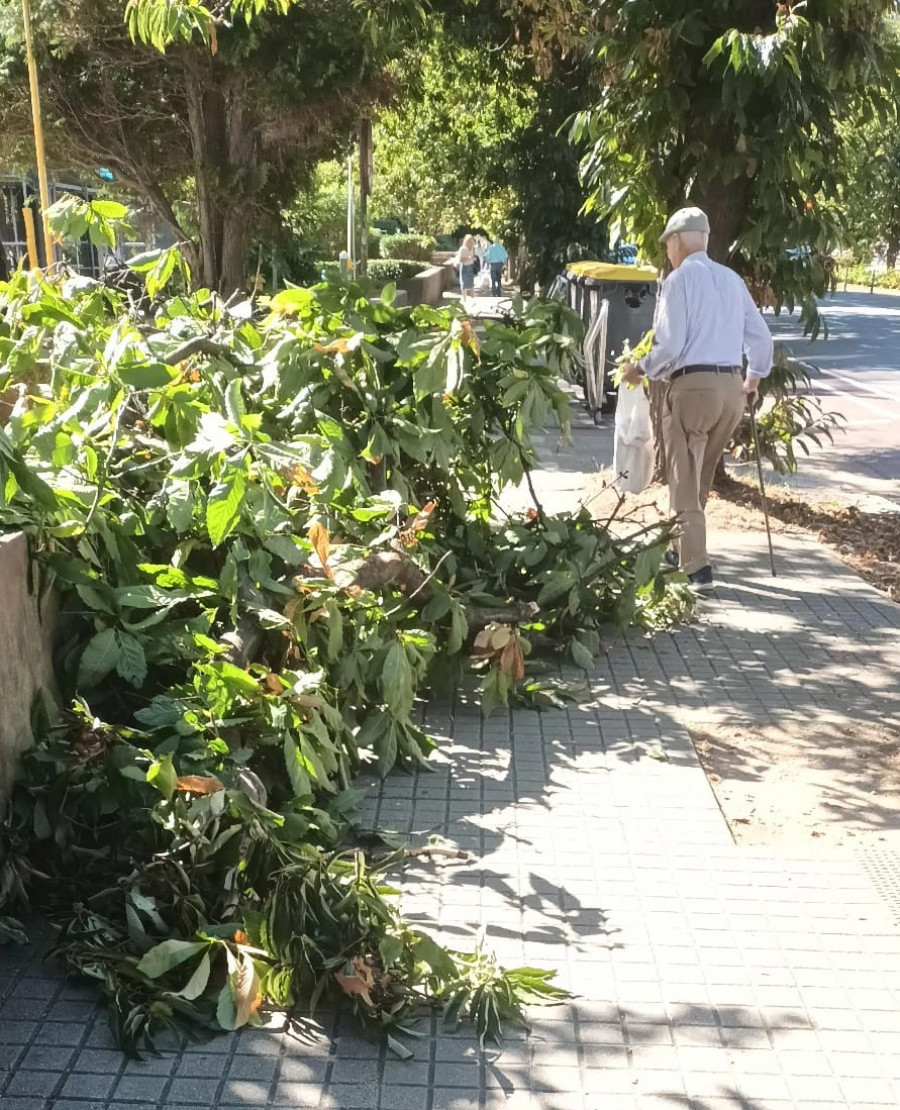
(632, 373)
(751, 386)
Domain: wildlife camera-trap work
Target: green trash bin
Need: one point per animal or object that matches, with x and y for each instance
(631, 294)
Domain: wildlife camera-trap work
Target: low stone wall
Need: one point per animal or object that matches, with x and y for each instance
(26, 643)
(428, 286)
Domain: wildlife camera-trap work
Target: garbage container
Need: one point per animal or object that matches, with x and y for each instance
(630, 292)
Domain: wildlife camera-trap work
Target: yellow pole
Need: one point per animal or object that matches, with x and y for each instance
(30, 237)
(38, 131)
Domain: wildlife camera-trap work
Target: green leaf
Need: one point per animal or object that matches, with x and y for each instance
(180, 506)
(297, 768)
(144, 261)
(428, 951)
(197, 983)
(459, 628)
(396, 682)
(132, 662)
(234, 402)
(162, 774)
(145, 375)
(646, 565)
(581, 657)
(386, 746)
(557, 585)
(399, 1049)
(168, 954)
(98, 659)
(226, 1008)
(109, 209)
(223, 507)
(335, 630)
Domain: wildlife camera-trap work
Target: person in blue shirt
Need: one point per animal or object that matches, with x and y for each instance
(496, 257)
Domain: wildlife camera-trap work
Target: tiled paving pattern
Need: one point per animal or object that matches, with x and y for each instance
(707, 975)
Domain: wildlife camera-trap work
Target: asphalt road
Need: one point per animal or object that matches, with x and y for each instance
(855, 372)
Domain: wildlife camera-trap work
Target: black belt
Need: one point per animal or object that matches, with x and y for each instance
(704, 368)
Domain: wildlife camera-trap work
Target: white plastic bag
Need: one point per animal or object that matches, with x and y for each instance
(633, 452)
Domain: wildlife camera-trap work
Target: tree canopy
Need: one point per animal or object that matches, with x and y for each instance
(214, 140)
(479, 140)
(734, 106)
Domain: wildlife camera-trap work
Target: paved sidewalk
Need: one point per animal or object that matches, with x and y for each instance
(707, 975)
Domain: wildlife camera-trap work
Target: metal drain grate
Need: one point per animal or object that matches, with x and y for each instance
(882, 868)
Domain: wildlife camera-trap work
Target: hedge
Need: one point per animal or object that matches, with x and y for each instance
(383, 270)
(862, 275)
(419, 247)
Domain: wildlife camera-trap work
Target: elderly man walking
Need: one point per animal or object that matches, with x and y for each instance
(706, 325)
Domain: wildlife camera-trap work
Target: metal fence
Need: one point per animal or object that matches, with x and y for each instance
(83, 257)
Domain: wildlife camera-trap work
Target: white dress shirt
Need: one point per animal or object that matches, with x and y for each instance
(705, 316)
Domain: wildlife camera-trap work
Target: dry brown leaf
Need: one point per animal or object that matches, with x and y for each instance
(468, 338)
(318, 537)
(199, 784)
(336, 346)
(302, 478)
(420, 520)
(359, 980)
(274, 683)
(512, 662)
(245, 985)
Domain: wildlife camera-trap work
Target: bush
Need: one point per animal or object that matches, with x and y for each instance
(407, 246)
(398, 270)
(788, 417)
(389, 225)
(858, 274)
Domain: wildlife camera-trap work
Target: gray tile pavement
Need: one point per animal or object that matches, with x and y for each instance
(706, 975)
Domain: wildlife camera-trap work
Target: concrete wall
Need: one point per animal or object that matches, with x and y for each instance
(428, 287)
(26, 639)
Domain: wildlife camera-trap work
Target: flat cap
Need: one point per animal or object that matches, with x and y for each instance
(686, 219)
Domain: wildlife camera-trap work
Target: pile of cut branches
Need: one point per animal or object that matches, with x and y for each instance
(270, 533)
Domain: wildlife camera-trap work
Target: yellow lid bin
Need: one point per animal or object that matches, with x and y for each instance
(611, 271)
(630, 293)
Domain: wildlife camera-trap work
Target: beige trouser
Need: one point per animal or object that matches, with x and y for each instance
(699, 415)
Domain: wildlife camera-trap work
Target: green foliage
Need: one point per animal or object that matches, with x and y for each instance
(267, 534)
(397, 270)
(870, 197)
(441, 160)
(71, 217)
(418, 247)
(543, 169)
(858, 274)
(789, 418)
(317, 215)
(734, 107)
(218, 141)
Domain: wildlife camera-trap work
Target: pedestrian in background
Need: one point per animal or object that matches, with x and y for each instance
(706, 325)
(496, 258)
(466, 259)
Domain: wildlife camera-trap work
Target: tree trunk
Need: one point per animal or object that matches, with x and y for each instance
(725, 205)
(893, 247)
(226, 156)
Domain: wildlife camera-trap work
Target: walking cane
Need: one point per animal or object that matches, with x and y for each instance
(762, 486)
